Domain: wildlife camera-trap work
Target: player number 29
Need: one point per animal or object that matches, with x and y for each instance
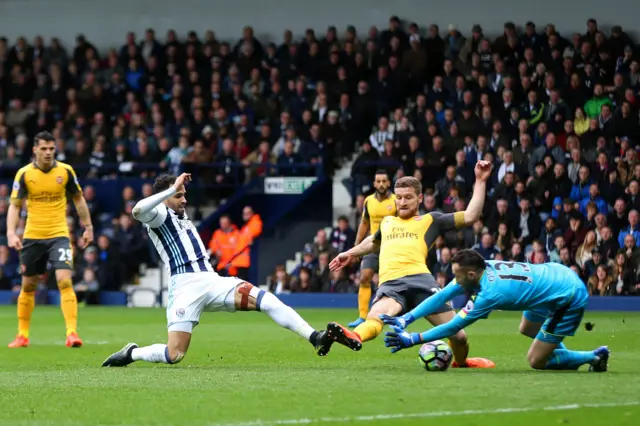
(65, 255)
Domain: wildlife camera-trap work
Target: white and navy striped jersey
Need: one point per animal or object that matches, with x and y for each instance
(178, 242)
(379, 137)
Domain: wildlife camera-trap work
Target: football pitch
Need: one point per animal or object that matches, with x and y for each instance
(242, 369)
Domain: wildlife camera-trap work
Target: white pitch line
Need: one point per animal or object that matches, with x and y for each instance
(376, 417)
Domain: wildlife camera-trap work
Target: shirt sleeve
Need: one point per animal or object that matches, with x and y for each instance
(19, 189)
(435, 302)
(475, 310)
(449, 221)
(477, 307)
(73, 186)
(365, 211)
(150, 211)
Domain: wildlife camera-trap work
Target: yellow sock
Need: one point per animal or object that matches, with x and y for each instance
(69, 306)
(460, 351)
(364, 298)
(369, 329)
(26, 304)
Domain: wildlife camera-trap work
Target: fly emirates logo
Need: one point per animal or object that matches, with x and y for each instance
(398, 232)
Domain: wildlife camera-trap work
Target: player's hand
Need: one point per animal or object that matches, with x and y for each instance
(483, 170)
(182, 180)
(396, 322)
(14, 242)
(340, 261)
(87, 237)
(399, 339)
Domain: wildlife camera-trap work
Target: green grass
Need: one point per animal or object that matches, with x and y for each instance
(243, 368)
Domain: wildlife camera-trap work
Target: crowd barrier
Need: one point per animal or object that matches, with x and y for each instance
(338, 301)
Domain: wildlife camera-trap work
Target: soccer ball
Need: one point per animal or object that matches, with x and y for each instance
(435, 356)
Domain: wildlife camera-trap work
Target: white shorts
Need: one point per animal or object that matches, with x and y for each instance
(191, 294)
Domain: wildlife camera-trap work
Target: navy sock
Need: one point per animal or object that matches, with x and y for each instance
(313, 337)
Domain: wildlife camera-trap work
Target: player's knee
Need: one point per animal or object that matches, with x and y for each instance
(29, 286)
(460, 338)
(536, 362)
(365, 280)
(176, 355)
(65, 283)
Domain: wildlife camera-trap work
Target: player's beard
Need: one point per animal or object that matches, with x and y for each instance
(470, 286)
(408, 213)
(382, 192)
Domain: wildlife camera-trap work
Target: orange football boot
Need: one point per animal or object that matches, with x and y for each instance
(344, 336)
(73, 341)
(476, 363)
(19, 342)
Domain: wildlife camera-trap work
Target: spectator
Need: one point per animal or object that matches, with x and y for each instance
(87, 288)
(486, 247)
(504, 238)
(308, 259)
(594, 197)
(342, 236)
(529, 223)
(585, 251)
(338, 283)
(303, 283)
(280, 282)
(288, 160)
(443, 266)
(321, 272)
(600, 283)
(132, 245)
(593, 107)
(575, 235)
(110, 272)
(322, 244)
(250, 231)
(580, 190)
(595, 261)
(632, 229)
(549, 234)
(222, 246)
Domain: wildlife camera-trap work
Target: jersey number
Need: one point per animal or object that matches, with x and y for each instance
(65, 255)
(511, 276)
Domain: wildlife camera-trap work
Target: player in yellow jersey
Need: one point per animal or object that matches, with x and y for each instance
(405, 281)
(376, 206)
(45, 184)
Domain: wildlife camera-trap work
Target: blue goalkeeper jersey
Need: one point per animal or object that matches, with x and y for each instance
(508, 286)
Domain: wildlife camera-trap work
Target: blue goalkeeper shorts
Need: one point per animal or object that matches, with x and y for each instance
(564, 321)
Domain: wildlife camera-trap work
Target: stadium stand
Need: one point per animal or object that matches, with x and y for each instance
(558, 115)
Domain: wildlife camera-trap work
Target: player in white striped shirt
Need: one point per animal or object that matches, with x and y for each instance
(194, 286)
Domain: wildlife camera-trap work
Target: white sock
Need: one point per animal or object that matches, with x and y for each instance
(285, 316)
(153, 353)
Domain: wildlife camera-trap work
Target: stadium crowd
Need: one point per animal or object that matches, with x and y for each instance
(557, 115)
